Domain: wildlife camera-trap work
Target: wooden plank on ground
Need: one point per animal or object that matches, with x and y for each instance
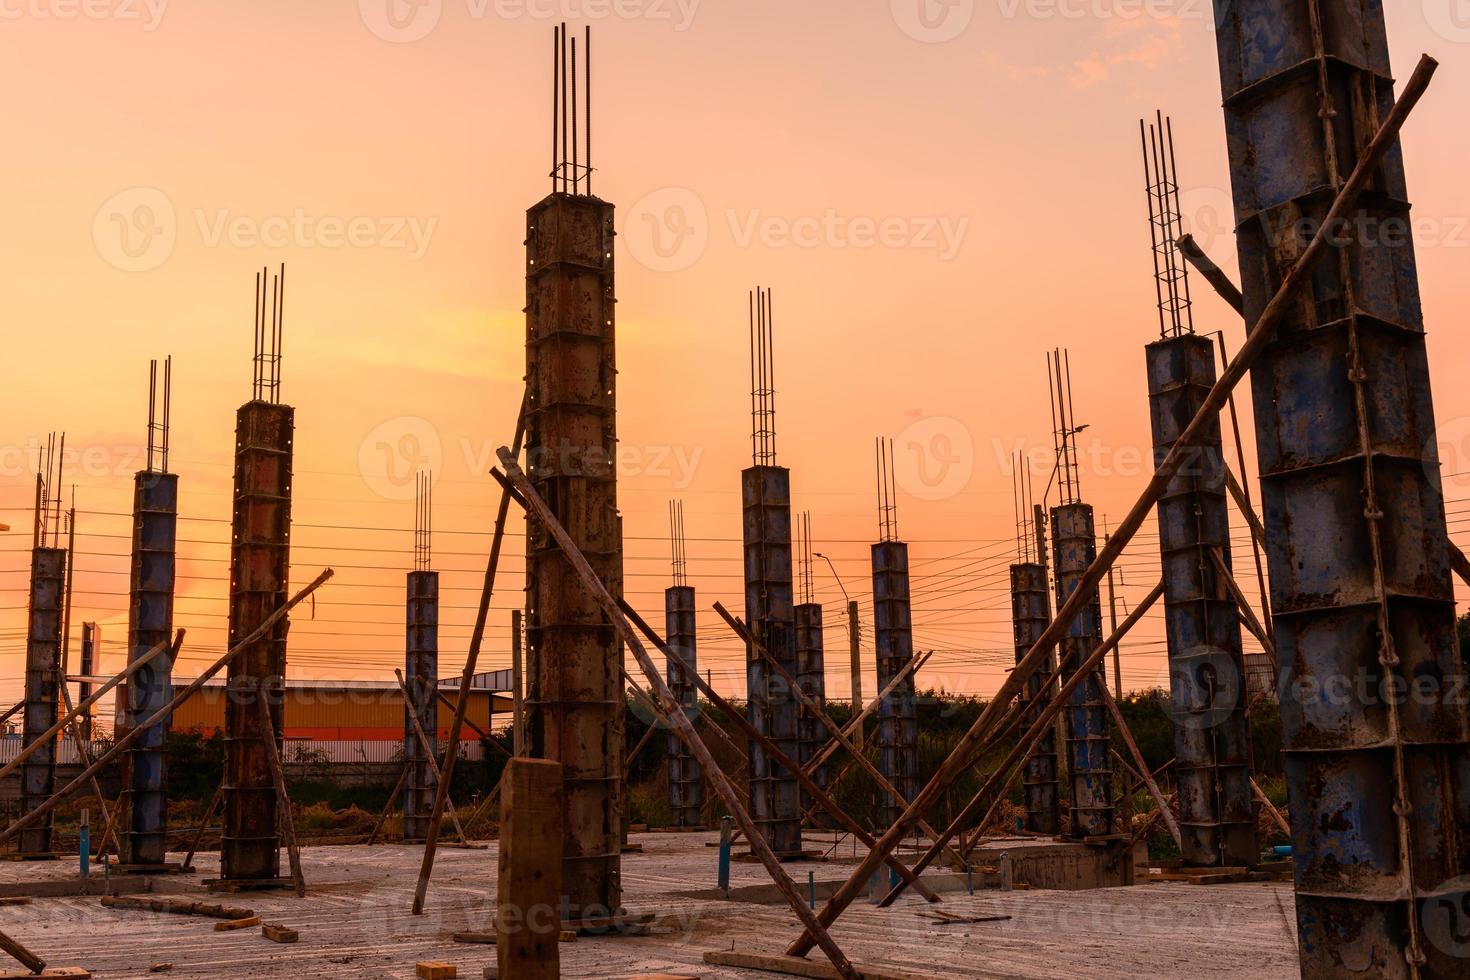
(795, 966)
(51, 973)
(279, 934)
(249, 922)
(435, 970)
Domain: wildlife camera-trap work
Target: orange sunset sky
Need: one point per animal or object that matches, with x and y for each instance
(937, 192)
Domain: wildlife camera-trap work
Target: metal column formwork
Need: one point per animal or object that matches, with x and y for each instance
(260, 562)
(1373, 716)
(421, 678)
(686, 787)
(573, 654)
(1212, 747)
(150, 622)
(775, 796)
(811, 676)
(1089, 734)
(1030, 615)
(893, 640)
(42, 692)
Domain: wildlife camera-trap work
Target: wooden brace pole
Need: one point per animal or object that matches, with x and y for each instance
(283, 800)
(683, 728)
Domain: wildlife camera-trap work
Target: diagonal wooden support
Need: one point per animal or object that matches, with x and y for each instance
(283, 800)
(85, 754)
(1270, 807)
(423, 740)
(853, 730)
(1247, 614)
(484, 735)
(804, 778)
(209, 811)
(462, 702)
(806, 701)
(1143, 770)
(1008, 767)
(1214, 402)
(74, 712)
(122, 744)
(27, 959)
(515, 479)
(647, 702)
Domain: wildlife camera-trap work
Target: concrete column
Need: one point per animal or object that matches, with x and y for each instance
(686, 788)
(898, 714)
(1030, 616)
(421, 675)
(42, 693)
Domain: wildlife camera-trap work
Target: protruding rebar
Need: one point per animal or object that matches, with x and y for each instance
(1166, 225)
(762, 379)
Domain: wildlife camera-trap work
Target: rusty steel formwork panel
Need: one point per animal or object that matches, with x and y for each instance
(574, 658)
(686, 787)
(1030, 616)
(150, 622)
(42, 692)
(421, 677)
(1089, 732)
(775, 795)
(1372, 686)
(260, 566)
(812, 676)
(893, 640)
(1212, 746)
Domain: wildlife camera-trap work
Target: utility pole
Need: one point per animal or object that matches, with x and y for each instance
(854, 632)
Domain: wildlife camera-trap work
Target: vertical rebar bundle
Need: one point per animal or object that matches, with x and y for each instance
(1030, 615)
(775, 796)
(571, 132)
(574, 698)
(150, 622)
(421, 671)
(1166, 226)
(260, 566)
(810, 658)
(893, 642)
(1372, 684)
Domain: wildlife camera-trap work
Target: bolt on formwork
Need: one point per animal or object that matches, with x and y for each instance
(421, 669)
(893, 645)
(1207, 690)
(1030, 615)
(686, 786)
(811, 674)
(43, 667)
(1374, 723)
(574, 698)
(260, 564)
(1074, 547)
(775, 795)
(150, 622)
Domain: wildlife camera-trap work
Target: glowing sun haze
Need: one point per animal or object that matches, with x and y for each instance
(938, 195)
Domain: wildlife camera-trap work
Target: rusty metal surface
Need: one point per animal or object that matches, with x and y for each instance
(775, 796)
(421, 677)
(686, 787)
(811, 675)
(1212, 748)
(150, 622)
(1030, 615)
(893, 640)
(260, 564)
(1089, 730)
(1372, 686)
(43, 677)
(574, 698)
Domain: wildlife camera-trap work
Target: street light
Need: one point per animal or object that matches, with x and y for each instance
(834, 575)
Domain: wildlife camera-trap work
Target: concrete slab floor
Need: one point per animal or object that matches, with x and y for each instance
(356, 922)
